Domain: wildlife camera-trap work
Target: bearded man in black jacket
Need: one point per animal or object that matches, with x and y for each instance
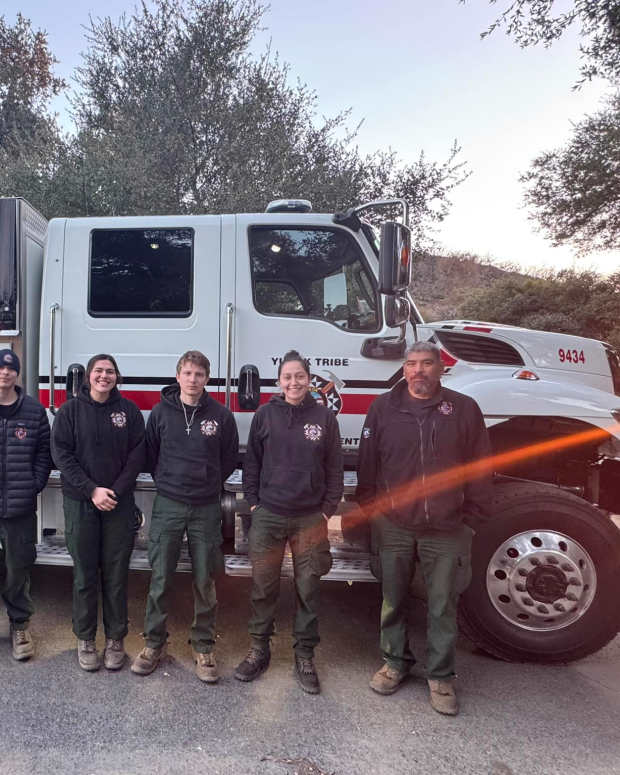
(412, 436)
(192, 447)
(26, 464)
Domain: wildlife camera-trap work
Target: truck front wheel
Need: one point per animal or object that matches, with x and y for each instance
(545, 570)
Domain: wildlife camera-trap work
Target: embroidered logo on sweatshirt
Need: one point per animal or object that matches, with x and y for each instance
(119, 419)
(313, 432)
(445, 407)
(208, 427)
(21, 433)
(366, 433)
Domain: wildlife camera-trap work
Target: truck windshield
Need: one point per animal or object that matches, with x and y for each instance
(613, 356)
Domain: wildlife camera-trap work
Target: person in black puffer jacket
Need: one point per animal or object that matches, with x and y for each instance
(293, 481)
(26, 464)
(98, 446)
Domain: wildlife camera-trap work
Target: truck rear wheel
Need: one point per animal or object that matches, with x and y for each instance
(545, 570)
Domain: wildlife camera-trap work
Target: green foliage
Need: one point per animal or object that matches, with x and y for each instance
(26, 80)
(29, 137)
(575, 190)
(531, 22)
(173, 115)
(581, 303)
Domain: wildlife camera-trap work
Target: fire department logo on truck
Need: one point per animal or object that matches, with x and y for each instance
(326, 391)
(119, 419)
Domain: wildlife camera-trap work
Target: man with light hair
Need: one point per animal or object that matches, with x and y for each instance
(192, 446)
(411, 435)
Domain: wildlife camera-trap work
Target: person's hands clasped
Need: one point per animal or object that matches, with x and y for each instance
(104, 499)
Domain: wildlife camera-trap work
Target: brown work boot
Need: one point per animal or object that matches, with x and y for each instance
(88, 658)
(147, 660)
(387, 679)
(113, 654)
(443, 697)
(21, 640)
(206, 667)
(305, 672)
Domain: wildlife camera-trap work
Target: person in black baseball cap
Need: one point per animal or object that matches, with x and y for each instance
(25, 454)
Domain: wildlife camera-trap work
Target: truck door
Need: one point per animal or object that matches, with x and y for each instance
(144, 290)
(309, 285)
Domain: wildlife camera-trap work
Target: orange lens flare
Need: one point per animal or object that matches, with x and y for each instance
(457, 476)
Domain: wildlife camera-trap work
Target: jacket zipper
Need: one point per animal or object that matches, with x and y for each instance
(426, 513)
(4, 459)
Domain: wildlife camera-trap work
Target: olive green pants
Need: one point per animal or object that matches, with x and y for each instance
(445, 561)
(100, 544)
(312, 559)
(170, 521)
(18, 538)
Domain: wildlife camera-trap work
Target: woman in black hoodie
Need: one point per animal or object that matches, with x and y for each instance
(98, 446)
(292, 479)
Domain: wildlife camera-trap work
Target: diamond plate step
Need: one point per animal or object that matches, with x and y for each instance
(343, 569)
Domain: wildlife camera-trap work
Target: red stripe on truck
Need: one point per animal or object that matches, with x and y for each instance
(352, 403)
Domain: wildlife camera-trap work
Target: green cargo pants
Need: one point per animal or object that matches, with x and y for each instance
(445, 561)
(312, 559)
(171, 519)
(18, 538)
(100, 543)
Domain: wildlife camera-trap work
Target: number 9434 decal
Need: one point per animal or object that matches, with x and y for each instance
(571, 356)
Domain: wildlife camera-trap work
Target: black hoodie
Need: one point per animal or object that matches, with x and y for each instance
(98, 444)
(404, 439)
(293, 463)
(191, 467)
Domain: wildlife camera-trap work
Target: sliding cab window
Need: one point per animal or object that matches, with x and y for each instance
(312, 273)
(141, 273)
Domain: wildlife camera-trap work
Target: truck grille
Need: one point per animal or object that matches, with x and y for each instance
(479, 349)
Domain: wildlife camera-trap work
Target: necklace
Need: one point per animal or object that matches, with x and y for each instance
(188, 423)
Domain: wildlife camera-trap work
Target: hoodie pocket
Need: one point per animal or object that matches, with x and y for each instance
(292, 486)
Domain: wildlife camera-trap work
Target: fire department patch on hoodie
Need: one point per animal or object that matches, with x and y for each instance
(445, 407)
(208, 427)
(312, 432)
(119, 419)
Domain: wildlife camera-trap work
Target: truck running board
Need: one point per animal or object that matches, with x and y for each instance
(343, 568)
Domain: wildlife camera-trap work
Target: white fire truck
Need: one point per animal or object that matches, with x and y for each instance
(244, 289)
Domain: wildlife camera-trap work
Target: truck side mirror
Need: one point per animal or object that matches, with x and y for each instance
(75, 377)
(248, 389)
(394, 258)
(397, 310)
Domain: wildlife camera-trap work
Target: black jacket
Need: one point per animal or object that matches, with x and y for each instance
(404, 439)
(293, 463)
(98, 444)
(191, 468)
(25, 456)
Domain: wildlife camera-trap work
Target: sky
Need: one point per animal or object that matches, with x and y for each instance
(417, 76)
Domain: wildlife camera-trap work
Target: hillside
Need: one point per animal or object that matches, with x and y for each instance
(442, 283)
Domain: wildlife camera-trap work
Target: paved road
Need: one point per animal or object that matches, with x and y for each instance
(54, 718)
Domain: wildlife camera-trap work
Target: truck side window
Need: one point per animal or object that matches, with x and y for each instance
(141, 273)
(314, 273)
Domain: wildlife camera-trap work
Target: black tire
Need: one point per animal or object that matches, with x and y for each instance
(545, 574)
